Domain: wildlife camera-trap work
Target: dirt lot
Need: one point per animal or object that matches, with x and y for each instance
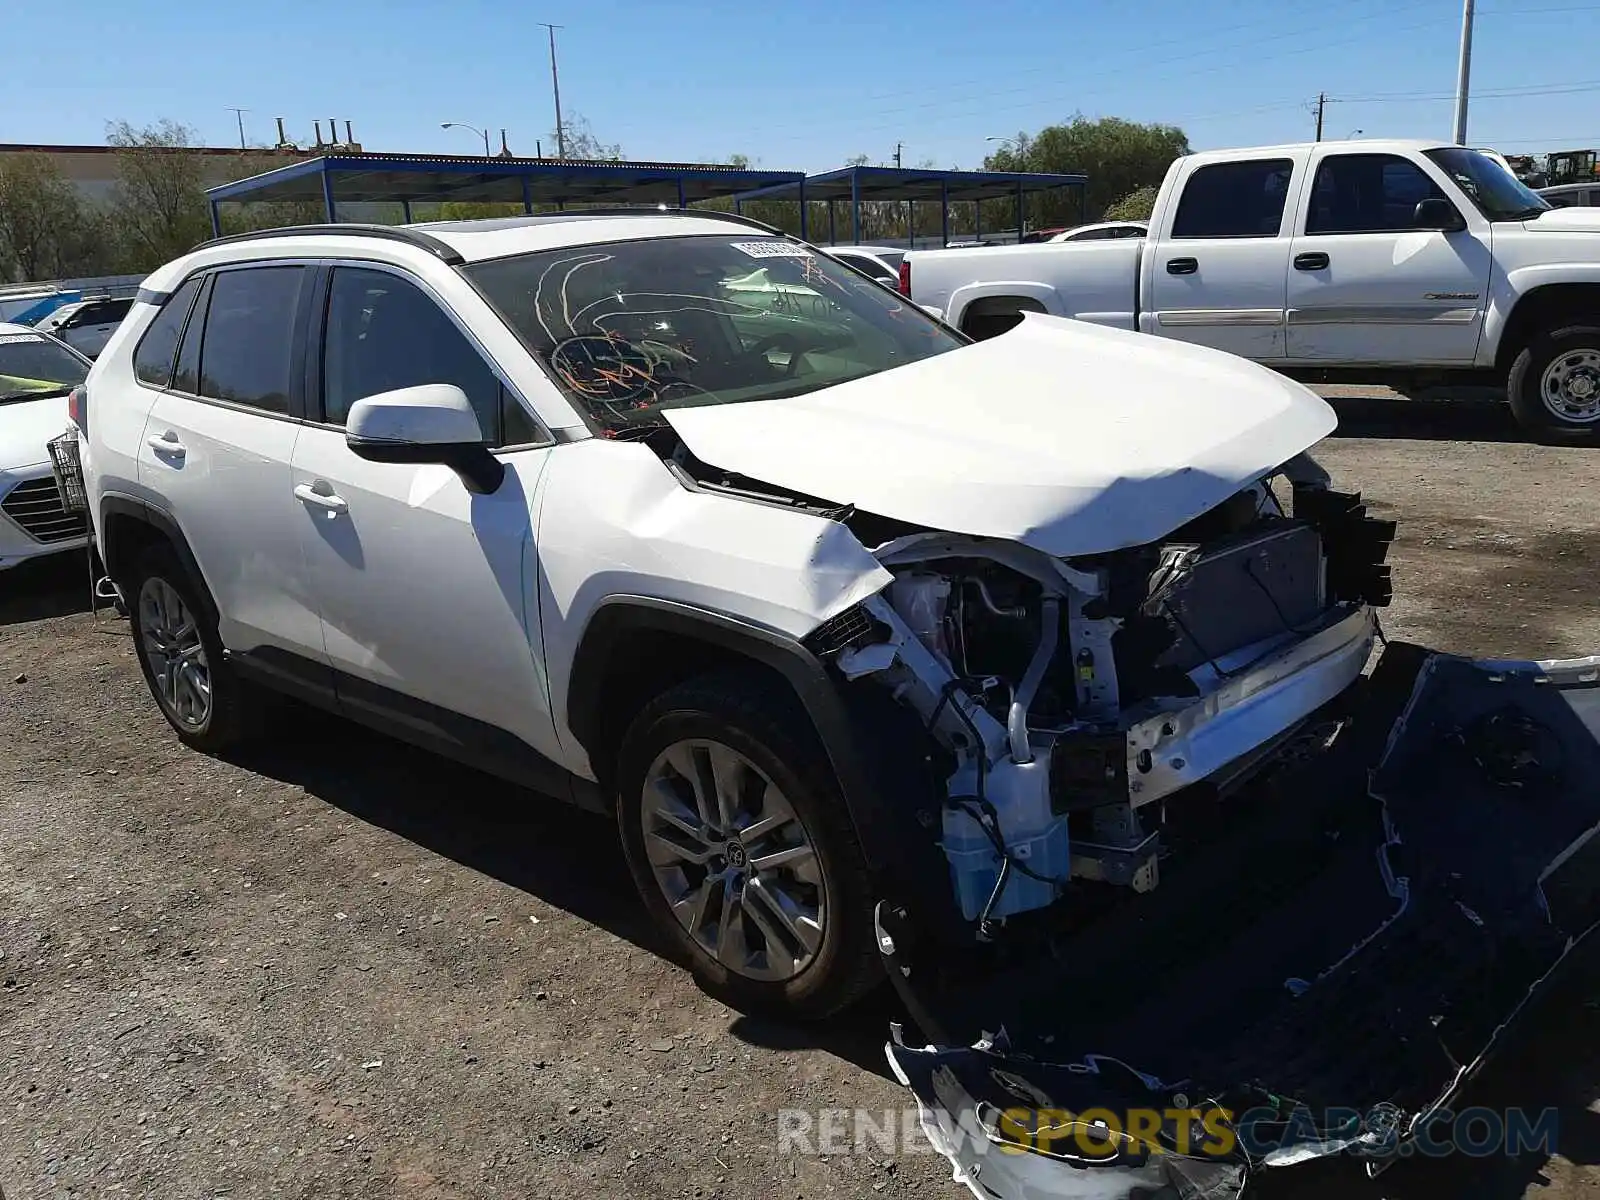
(339, 968)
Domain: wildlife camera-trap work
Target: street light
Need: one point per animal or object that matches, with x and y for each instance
(484, 133)
(1354, 133)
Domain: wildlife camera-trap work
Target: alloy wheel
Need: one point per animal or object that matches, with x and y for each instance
(176, 656)
(733, 860)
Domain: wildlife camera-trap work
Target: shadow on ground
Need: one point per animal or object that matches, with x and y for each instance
(566, 857)
(1474, 416)
(41, 588)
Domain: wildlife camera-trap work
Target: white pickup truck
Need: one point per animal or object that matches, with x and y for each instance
(1408, 263)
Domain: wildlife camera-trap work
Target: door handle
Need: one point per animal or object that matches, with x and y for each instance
(167, 444)
(333, 503)
(1182, 266)
(1314, 261)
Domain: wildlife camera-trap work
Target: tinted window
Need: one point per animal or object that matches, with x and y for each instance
(1235, 199)
(631, 328)
(1128, 231)
(104, 312)
(152, 360)
(1089, 235)
(1367, 193)
(246, 355)
(383, 333)
(186, 375)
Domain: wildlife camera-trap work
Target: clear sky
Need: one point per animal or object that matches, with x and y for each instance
(703, 79)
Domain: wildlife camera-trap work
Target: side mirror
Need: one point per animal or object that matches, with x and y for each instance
(1437, 213)
(432, 423)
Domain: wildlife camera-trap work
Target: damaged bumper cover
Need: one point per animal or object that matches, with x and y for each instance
(1323, 978)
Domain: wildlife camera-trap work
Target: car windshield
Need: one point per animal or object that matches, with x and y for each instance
(1499, 195)
(632, 328)
(32, 367)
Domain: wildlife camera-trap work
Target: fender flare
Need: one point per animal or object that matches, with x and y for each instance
(1042, 293)
(1511, 291)
(819, 697)
(164, 523)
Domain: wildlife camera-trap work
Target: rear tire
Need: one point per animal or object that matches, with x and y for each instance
(1554, 384)
(780, 868)
(180, 653)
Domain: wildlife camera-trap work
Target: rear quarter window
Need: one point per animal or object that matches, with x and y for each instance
(152, 358)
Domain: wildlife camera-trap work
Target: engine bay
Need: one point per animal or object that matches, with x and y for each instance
(1068, 700)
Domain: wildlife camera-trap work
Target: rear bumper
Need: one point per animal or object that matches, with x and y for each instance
(1324, 977)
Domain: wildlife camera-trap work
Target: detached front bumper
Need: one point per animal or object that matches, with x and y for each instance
(1323, 977)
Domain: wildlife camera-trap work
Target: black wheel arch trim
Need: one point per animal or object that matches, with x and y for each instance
(815, 689)
(159, 519)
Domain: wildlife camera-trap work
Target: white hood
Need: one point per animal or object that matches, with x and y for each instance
(25, 426)
(1067, 437)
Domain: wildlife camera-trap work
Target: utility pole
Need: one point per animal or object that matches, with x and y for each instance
(1463, 73)
(898, 146)
(239, 115)
(555, 86)
(1322, 103)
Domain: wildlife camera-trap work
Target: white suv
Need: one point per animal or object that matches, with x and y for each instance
(830, 605)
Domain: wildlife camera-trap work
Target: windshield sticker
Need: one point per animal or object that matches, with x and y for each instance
(772, 249)
(9, 339)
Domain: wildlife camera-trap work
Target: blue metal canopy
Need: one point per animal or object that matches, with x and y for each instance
(431, 179)
(911, 184)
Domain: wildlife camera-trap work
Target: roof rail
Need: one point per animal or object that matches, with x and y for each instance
(393, 233)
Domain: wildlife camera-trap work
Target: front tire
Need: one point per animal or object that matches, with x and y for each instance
(181, 656)
(1554, 384)
(741, 848)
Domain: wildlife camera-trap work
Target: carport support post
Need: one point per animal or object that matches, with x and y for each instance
(832, 237)
(527, 195)
(855, 207)
(327, 195)
(944, 213)
(405, 211)
(1022, 214)
(803, 221)
(977, 220)
(681, 202)
(216, 221)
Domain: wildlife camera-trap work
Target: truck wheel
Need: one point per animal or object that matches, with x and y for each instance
(740, 845)
(181, 656)
(1554, 383)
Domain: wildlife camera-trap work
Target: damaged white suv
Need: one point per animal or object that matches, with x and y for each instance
(672, 514)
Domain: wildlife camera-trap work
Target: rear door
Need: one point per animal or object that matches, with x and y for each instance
(1215, 269)
(1366, 285)
(216, 451)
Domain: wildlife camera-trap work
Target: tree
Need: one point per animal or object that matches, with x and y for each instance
(581, 141)
(1135, 206)
(1118, 156)
(159, 199)
(40, 219)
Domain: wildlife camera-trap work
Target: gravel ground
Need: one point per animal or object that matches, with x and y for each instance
(340, 968)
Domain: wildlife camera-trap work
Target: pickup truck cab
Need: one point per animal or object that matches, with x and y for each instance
(1392, 261)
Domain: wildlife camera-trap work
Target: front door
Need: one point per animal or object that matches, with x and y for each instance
(218, 440)
(1367, 286)
(1214, 273)
(427, 591)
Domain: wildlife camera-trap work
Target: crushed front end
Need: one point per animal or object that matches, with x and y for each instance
(1187, 893)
